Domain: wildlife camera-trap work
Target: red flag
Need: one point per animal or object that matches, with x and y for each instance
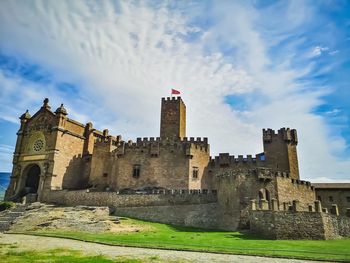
(174, 91)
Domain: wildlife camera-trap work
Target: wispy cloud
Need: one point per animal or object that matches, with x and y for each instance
(118, 58)
(6, 152)
(318, 50)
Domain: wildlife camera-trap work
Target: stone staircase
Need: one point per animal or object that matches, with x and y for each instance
(7, 217)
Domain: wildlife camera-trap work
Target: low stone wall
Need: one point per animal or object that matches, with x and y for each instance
(298, 225)
(200, 215)
(183, 209)
(344, 226)
(82, 197)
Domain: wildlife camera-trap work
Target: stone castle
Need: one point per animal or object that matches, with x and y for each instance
(171, 178)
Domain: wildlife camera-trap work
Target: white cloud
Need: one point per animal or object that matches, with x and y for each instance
(333, 52)
(125, 56)
(333, 112)
(6, 152)
(318, 50)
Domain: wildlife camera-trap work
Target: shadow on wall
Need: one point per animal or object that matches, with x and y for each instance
(76, 176)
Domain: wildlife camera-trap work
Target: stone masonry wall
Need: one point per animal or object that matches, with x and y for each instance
(68, 167)
(328, 197)
(343, 226)
(82, 197)
(168, 169)
(235, 190)
(291, 189)
(196, 210)
(162, 163)
(199, 215)
(298, 225)
(173, 118)
(198, 162)
(102, 162)
(280, 150)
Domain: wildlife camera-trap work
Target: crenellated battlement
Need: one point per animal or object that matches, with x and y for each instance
(286, 134)
(171, 99)
(307, 184)
(227, 160)
(149, 140)
(154, 144)
(266, 173)
(103, 138)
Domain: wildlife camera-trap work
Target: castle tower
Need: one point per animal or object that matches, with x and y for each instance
(281, 150)
(173, 118)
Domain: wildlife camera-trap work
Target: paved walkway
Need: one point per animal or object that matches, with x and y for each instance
(27, 242)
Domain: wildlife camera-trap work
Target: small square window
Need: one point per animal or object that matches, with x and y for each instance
(330, 198)
(195, 173)
(105, 174)
(136, 171)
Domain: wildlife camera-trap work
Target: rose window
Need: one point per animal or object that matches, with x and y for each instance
(38, 145)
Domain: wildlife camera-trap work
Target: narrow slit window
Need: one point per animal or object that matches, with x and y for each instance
(195, 173)
(136, 171)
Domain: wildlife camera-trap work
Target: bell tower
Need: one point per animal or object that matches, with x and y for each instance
(173, 118)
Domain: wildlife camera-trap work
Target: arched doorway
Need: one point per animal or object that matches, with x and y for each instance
(33, 178)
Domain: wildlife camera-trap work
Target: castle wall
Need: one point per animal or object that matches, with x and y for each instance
(185, 209)
(293, 161)
(82, 197)
(102, 161)
(298, 225)
(198, 162)
(68, 166)
(74, 127)
(201, 215)
(235, 189)
(162, 163)
(289, 189)
(328, 197)
(168, 169)
(343, 226)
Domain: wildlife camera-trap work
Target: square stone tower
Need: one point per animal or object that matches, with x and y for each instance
(173, 118)
(281, 150)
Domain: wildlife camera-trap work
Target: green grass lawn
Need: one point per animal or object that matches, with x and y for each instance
(12, 254)
(183, 238)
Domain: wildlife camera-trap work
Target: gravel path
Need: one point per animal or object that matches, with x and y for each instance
(27, 242)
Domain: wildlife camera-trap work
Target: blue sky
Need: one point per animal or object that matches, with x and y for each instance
(241, 66)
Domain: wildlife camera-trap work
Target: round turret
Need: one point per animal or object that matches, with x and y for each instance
(61, 110)
(25, 116)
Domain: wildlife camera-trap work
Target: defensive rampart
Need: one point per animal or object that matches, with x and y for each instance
(294, 224)
(198, 215)
(83, 197)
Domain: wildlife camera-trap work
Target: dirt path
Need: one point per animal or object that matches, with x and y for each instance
(27, 242)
